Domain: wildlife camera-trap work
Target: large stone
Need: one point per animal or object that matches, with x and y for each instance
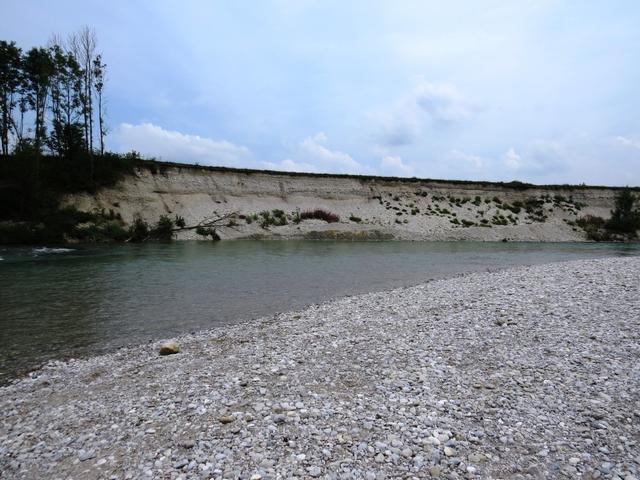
(169, 348)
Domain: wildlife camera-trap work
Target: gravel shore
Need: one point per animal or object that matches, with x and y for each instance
(531, 372)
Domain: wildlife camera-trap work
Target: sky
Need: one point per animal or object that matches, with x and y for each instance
(542, 91)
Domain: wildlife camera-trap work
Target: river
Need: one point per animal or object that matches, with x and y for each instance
(57, 303)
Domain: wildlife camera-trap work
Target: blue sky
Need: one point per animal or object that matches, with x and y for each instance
(543, 91)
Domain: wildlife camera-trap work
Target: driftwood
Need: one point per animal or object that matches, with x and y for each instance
(208, 223)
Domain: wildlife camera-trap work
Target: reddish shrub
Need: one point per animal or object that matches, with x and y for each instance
(320, 214)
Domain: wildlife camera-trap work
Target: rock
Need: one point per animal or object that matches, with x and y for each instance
(279, 418)
(84, 456)
(435, 471)
(314, 471)
(477, 458)
(377, 386)
(180, 464)
(169, 348)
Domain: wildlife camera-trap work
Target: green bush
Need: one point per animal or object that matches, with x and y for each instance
(179, 222)
(208, 232)
(163, 230)
(625, 218)
(138, 230)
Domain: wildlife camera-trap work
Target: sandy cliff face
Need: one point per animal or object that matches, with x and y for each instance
(415, 210)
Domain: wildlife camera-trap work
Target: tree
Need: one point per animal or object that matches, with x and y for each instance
(10, 82)
(38, 72)
(624, 217)
(66, 89)
(83, 46)
(99, 71)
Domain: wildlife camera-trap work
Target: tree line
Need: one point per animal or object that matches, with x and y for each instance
(52, 124)
(52, 98)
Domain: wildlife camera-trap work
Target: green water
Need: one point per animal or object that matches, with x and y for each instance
(59, 303)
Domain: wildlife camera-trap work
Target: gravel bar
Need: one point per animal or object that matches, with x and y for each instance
(527, 373)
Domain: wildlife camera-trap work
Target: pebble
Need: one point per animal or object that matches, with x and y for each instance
(410, 383)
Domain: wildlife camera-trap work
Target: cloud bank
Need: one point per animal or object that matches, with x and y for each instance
(154, 141)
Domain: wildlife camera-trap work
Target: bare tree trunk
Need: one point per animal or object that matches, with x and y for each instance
(101, 120)
(83, 47)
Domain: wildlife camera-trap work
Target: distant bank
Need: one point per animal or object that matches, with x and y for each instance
(242, 203)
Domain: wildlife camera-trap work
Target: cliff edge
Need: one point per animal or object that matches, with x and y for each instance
(367, 207)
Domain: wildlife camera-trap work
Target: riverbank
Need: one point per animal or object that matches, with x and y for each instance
(530, 372)
(263, 204)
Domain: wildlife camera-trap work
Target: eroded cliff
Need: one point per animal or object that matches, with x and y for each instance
(368, 207)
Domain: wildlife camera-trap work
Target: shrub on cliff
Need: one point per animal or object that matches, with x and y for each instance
(163, 230)
(138, 230)
(625, 217)
(208, 232)
(320, 214)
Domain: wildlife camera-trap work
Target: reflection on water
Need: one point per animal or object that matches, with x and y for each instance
(62, 302)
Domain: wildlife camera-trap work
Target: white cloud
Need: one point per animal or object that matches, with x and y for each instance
(396, 166)
(512, 160)
(152, 140)
(628, 142)
(541, 158)
(314, 148)
(426, 106)
(288, 165)
(457, 157)
(313, 155)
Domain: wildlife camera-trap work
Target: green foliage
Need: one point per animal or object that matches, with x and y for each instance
(179, 222)
(625, 217)
(513, 208)
(208, 232)
(499, 220)
(355, 219)
(21, 233)
(593, 227)
(163, 229)
(275, 217)
(279, 217)
(110, 231)
(138, 230)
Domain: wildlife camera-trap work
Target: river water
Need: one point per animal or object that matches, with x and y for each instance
(58, 303)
